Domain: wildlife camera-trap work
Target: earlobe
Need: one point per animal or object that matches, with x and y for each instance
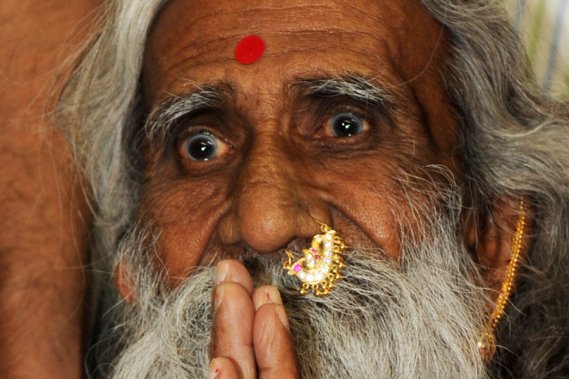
(503, 245)
(123, 283)
(493, 238)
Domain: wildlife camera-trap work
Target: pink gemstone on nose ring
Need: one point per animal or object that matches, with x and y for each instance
(318, 275)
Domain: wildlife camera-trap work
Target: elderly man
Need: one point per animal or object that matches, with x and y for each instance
(374, 182)
(230, 133)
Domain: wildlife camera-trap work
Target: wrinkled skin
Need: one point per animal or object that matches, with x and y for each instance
(279, 169)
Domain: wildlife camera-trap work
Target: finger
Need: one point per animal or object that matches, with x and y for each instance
(272, 341)
(223, 368)
(233, 317)
(230, 270)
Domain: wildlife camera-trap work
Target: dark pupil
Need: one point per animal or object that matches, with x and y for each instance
(346, 125)
(201, 148)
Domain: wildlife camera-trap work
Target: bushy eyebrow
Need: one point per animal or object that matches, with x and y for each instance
(352, 86)
(213, 96)
(169, 112)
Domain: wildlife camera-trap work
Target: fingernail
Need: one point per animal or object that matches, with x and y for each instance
(213, 371)
(221, 272)
(270, 295)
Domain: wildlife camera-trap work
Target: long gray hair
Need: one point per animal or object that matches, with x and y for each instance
(514, 141)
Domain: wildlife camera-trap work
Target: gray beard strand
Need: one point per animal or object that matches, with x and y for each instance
(419, 317)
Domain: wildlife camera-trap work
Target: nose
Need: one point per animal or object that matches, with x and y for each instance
(273, 202)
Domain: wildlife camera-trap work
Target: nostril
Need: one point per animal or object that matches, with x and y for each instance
(298, 244)
(271, 207)
(228, 229)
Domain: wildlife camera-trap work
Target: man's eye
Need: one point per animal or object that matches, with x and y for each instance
(345, 125)
(203, 146)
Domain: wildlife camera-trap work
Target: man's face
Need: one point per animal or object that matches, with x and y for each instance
(339, 119)
(342, 121)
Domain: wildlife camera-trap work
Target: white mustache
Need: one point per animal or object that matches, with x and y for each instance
(418, 317)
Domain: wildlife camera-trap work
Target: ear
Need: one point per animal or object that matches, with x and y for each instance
(490, 237)
(123, 282)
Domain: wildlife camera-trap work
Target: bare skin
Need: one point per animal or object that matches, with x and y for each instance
(43, 213)
(261, 344)
(232, 201)
(278, 168)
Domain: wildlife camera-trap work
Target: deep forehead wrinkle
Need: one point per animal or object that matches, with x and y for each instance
(217, 95)
(201, 52)
(196, 40)
(281, 15)
(287, 29)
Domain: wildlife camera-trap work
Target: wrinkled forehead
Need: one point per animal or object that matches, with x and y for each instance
(193, 39)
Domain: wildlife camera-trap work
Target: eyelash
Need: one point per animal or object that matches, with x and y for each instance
(325, 110)
(315, 117)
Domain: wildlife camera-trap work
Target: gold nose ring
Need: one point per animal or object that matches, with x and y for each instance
(321, 264)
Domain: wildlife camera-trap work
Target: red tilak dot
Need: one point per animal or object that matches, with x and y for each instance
(250, 49)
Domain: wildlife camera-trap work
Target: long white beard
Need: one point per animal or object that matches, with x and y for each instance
(419, 317)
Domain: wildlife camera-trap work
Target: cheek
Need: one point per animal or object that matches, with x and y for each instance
(360, 194)
(377, 196)
(185, 214)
